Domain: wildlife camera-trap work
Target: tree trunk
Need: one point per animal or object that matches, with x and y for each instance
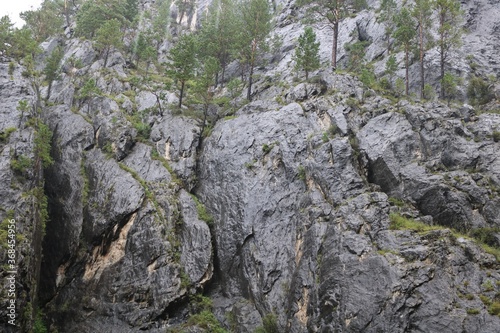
(48, 91)
(250, 81)
(106, 54)
(181, 93)
(334, 45)
(422, 83)
(406, 65)
(442, 55)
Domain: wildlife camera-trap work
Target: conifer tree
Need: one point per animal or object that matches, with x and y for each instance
(6, 30)
(217, 35)
(52, 68)
(388, 10)
(450, 33)
(421, 11)
(405, 34)
(44, 22)
(182, 62)
(255, 18)
(108, 36)
(332, 11)
(307, 52)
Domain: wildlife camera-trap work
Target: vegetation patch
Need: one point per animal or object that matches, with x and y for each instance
(202, 211)
(398, 222)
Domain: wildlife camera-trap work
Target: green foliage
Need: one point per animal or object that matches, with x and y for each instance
(496, 136)
(449, 86)
(43, 137)
(22, 45)
(4, 229)
(45, 21)
(6, 31)
(367, 77)
(478, 91)
(88, 90)
(41, 204)
(269, 324)
(405, 34)
(182, 62)
(301, 173)
(494, 308)
(94, 14)
(108, 36)
(144, 49)
(5, 134)
(450, 31)
(429, 92)
(202, 211)
(307, 52)
(21, 164)
(52, 68)
(398, 222)
(206, 320)
(38, 324)
(473, 311)
(217, 35)
(388, 9)
(356, 52)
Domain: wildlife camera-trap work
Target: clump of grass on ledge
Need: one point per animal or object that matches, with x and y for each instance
(398, 222)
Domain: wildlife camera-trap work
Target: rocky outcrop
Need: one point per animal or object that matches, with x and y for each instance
(284, 211)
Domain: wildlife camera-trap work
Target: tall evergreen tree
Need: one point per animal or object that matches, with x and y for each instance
(6, 30)
(217, 35)
(255, 16)
(52, 68)
(108, 36)
(405, 34)
(332, 11)
(388, 10)
(182, 62)
(45, 21)
(450, 32)
(307, 52)
(422, 11)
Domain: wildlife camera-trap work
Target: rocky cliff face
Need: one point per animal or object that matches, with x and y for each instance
(329, 206)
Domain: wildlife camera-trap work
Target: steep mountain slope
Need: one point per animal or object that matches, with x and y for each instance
(320, 206)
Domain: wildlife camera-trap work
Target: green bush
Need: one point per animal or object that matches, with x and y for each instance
(207, 321)
(398, 222)
(21, 164)
(269, 324)
(5, 134)
(496, 136)
(478, 91)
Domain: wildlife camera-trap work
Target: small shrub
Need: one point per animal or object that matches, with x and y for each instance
(269, 324)
(396, 202)
(301, 172)
(207, 321)
(5, 134)
(429, 92)
(202, 211)
(485, 299)
(143, 130)
(21, 164)
(494, 309)
(478, 91)
(496, 136)
(472, 311)
(398, 222)
(488, 286)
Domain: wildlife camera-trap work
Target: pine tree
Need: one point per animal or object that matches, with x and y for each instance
(44, 22)
(108, 36)
(6, 30)
(307, 52)
(52, 68)
(388, 9)
(332, 11)
(405, 34)
(422, 11)
(217, 35)
(450, 33)
(255, 18)
(182, 62)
